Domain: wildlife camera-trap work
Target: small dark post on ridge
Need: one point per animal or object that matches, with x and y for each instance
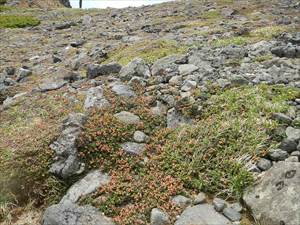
(80, 3)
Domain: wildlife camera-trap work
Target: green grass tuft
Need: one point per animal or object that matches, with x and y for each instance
(235, 123)
(266, 33)
(211, 15)
(15, 21)
(231, 41)
(4, 8)
(263, 58)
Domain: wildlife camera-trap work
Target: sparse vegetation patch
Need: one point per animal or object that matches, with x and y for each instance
(203, 157)
(150, 51)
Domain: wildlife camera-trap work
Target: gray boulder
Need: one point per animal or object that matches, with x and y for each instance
(203, 214)
(219, 204)
(176, 80)
(232, 214)
(87, 185)
(140, 137)
(50, 85)
(96, 70)
(10, 101)
(95, 99)
(181, 201)
(186, 69)
(277, 154)
(68, 213)
(188, 85)
(123, 90)
(167, 65)
(204, 67)
(200, 199)
(292, 159)
(23, 73)
(264, 164)
(67, 163)
(127, 117)
(66, 3)
(160, 109)
(293, 133)
(136, 68)
(275, 198)
(133, 148)
(288, 145)
(159, 217)
(288, 51)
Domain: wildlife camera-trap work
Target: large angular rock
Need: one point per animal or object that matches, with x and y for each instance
(277, 154)
(67, 163)
(133, 148)
(293, 133)
(68, 213)
(123, 90)
(127, 117)
(288, 145)
(275, 199)
(264, 164)
(66, 3)
(181, 201)
(159, 217)
(88, 184)
(50, 85)
(136, 68)
(232, 214)
(100, 70)
(186, 69)
(288, 51)
(203, 214)
(204, 67)
(95, 99)
(10, 101)
(167, 65)
(23, 73)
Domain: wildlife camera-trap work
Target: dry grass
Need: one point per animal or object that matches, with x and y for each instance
(27, 129)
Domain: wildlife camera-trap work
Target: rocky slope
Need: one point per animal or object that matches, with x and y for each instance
(186, 112)
(38, 3)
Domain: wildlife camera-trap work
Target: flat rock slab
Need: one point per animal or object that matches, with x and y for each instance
(204, 214)
(186, 69)
(90, 183)
(69, 213)
(275, 199)
(127, 117)
(123, 90)
(52, 85)
(133, 148)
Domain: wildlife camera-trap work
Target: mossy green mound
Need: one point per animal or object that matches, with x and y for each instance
(17, 21)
